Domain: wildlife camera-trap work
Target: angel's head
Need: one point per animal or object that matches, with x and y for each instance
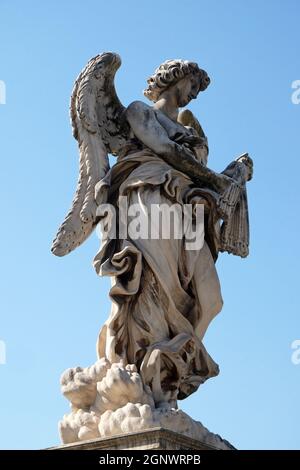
(183, 77)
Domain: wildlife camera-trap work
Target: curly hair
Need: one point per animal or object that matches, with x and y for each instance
(169, 73)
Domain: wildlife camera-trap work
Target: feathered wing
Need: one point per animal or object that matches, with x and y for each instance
(187, 118)
(97, 117)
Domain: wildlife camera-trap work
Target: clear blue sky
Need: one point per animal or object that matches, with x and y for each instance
(51, 308)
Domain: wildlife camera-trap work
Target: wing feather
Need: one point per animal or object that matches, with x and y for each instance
(98, 126)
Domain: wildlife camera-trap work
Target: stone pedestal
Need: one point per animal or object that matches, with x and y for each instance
(155, 438)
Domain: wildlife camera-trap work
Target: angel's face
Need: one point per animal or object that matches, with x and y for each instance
(186, 90)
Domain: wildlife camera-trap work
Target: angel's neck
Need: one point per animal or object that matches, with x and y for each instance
(168, 105)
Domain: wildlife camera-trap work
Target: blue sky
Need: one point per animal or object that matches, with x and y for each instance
(51, 309)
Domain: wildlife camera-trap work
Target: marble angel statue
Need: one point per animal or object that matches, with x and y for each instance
(163, 296)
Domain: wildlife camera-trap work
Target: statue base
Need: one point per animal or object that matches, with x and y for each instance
(110, 404)
(152, 439)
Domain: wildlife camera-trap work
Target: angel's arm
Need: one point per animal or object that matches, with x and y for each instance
(149, 130)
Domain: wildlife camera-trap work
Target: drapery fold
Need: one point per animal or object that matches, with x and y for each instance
(163, 295)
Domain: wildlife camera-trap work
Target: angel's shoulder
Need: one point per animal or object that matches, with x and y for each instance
(137, 108)
(140, 114)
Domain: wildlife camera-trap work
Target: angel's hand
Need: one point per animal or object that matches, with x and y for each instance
(248, 163)
(191, 140)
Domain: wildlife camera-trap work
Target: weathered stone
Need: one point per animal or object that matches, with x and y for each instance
(164, 293)
(152, 439)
